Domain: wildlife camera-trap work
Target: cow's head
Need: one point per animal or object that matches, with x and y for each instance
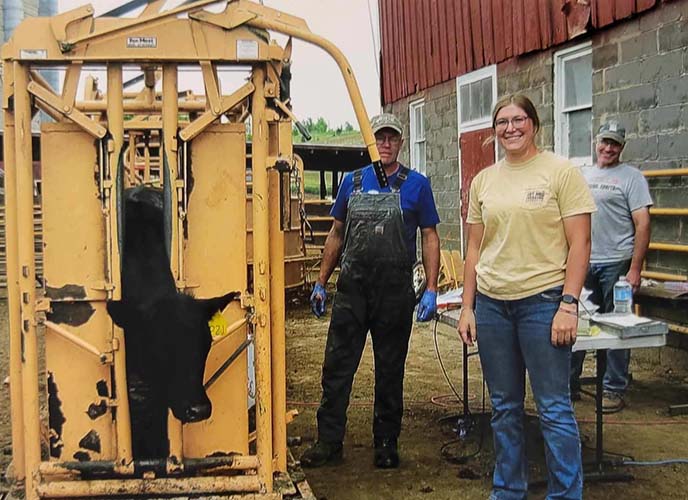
(171, 340)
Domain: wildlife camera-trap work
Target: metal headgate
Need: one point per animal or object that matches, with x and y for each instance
(84, 172)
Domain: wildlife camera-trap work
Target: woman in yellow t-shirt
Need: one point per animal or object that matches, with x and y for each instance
(528, 251)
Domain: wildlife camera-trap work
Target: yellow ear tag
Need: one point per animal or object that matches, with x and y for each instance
(218, 325)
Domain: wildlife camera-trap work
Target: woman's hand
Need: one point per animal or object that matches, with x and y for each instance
(564, 327)
(466, 327)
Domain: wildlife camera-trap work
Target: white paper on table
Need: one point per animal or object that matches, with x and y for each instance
(621, 319)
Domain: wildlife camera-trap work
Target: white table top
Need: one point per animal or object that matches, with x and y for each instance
(603, 340)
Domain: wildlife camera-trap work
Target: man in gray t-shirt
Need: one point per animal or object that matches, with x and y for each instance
(620, 237)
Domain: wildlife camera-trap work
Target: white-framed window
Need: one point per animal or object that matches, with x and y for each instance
(417, 132)
(476, 93)
(573, 103)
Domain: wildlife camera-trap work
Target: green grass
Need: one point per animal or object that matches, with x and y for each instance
(352, 138)
(311, 182)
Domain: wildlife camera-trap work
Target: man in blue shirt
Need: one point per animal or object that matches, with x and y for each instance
(374, 234)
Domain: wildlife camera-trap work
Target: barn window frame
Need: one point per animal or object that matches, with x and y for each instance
(484, 121)
(418, 153)
(562, 112)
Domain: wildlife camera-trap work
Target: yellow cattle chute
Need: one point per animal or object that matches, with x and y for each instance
(195, 149)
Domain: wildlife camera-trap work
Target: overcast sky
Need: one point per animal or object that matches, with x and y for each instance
(317, 85)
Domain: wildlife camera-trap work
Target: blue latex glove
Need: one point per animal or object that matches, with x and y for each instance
(427, 306)
(318, 298)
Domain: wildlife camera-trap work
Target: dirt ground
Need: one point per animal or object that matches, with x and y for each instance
(643, 431)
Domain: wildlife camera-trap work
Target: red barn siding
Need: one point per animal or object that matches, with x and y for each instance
(452, 37)
(518, 31)
(498, 26)
(426, 42)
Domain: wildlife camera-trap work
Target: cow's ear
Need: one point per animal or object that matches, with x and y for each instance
(211, 306)
(119, 312)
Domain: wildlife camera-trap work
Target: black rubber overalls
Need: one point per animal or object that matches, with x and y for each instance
(374, 293)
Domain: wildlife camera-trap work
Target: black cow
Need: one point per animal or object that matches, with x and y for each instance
(166, 332)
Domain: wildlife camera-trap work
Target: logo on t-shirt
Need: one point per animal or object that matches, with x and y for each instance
(535, 197)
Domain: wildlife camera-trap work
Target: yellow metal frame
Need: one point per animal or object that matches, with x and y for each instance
(158, 42)
(670, 247)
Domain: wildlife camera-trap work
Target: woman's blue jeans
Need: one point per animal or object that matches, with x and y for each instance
(515, 336)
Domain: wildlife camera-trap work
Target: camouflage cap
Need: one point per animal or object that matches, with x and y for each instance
(386, 120)
(613, 131)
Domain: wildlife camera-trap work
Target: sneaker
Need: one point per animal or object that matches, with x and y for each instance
(386, 454)
(612, 402)
(322, 453)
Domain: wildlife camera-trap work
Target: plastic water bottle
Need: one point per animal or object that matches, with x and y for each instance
(623, 296)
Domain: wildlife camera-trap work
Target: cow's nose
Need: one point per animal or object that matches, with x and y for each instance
(198, 412)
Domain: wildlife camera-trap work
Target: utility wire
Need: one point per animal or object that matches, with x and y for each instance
(376, 50)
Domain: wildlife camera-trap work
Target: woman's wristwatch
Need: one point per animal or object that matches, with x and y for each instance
(568, 299)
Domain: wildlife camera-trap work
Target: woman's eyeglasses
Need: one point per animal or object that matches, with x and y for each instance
(516, 121)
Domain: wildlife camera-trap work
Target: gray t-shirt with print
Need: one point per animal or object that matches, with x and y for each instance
(618, 191)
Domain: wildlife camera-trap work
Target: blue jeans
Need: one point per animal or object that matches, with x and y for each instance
(515, 336)
(600, 280)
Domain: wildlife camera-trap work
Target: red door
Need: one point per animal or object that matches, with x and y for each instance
(475, 156)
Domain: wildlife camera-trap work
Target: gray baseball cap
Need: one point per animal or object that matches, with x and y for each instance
(613, 131)
(386, 120)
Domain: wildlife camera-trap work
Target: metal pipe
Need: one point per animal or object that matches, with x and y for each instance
(663, 276)
(277, 300)
(132, 106)
(230, 330)
(218, 373)
(272, 23)
(27, 275)
(170, 123)
(168, 486)
(672, 247)
(261, 280)
(13, 296)
(109, 468)
(115, 118)
(668, 172)
(131, 171)
(38, 78)
(66, 334)
(678, 328)
(668, 211)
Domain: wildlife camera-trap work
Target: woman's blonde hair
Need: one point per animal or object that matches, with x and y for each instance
(522, 102)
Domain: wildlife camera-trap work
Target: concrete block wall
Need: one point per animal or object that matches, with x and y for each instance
(640, 78)
(442, 159)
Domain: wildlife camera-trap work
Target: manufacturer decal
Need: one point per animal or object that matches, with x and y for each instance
(142, 42)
